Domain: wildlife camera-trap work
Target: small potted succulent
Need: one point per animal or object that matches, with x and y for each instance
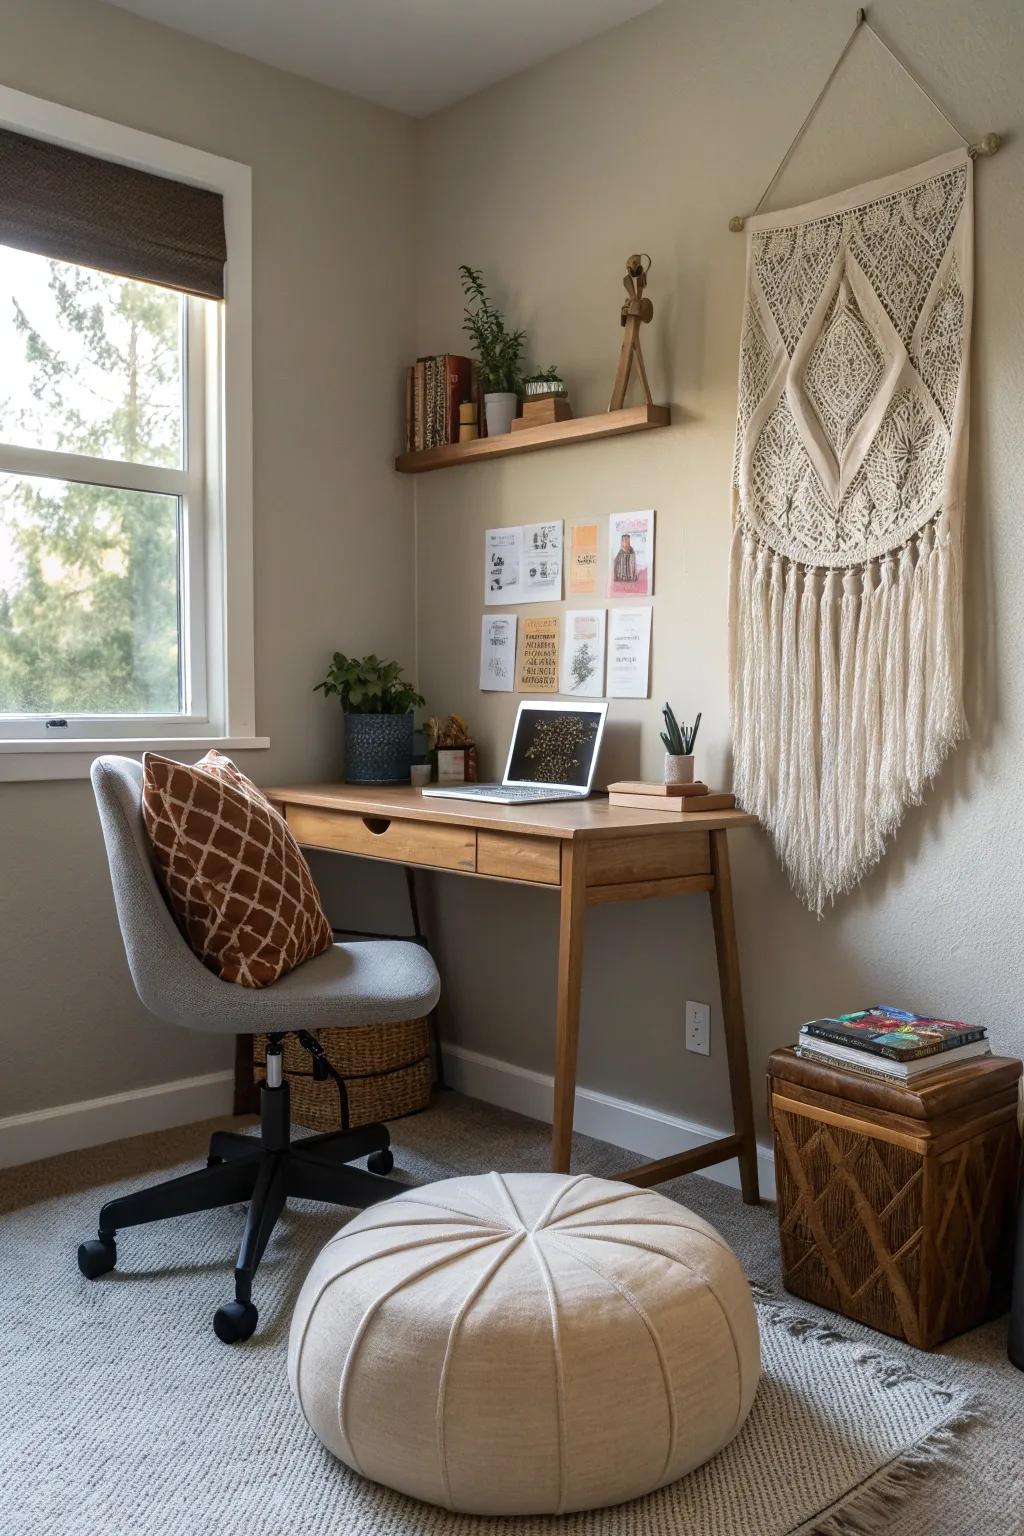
(679, 740)
(545, 384)
(377, 704)
(499, 352)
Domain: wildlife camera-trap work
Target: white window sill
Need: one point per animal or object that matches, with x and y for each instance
(23, 759)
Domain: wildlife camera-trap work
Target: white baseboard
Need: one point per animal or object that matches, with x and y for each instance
(637, 1128)
(70, 1127)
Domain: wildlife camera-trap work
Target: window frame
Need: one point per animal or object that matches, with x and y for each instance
(215, 483)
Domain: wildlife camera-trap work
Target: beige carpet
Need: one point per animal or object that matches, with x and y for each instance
(120, 1412)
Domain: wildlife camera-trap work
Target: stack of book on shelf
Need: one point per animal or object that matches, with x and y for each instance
(674, 798)
(435, 388)
(890, 1044)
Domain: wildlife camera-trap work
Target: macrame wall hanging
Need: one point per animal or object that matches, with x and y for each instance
(848, 506)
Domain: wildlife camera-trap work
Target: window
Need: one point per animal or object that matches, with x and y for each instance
(125, 444)
(102, 500)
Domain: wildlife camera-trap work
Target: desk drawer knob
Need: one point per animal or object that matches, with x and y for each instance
(376, 824)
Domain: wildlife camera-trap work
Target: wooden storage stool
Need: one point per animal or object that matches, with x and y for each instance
(896, 1203)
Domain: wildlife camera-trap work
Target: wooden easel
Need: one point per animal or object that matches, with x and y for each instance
(636, 311)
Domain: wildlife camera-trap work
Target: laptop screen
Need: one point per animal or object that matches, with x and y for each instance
(555, 746)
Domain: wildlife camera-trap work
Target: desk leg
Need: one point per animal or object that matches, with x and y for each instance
(570, 977)
(732, 1013)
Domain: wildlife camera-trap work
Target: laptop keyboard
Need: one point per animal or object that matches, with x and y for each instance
(512, 792)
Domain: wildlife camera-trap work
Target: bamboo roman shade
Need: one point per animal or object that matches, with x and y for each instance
(96, 213)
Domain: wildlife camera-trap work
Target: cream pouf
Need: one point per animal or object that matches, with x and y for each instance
(525, 1343)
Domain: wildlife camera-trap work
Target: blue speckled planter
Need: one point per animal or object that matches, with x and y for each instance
(378, 748)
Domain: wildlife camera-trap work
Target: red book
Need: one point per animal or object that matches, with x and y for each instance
(459, 390)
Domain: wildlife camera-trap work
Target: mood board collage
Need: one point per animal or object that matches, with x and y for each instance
(585, 652)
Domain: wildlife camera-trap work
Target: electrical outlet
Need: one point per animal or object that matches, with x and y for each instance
(698, 1028)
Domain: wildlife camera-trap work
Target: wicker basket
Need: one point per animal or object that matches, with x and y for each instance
(387, 1070)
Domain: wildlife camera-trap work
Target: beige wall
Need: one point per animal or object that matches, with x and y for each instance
(650, 138)
(331, 183)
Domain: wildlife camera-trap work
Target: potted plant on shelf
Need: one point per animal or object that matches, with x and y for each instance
(377, 704)
(499, 352)
(679, 740)
(545, 384)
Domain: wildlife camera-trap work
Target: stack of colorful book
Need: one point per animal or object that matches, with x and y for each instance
(695, 796)
(891, 1044)
(435, 387)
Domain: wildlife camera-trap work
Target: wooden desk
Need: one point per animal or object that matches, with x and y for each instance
(592, 853)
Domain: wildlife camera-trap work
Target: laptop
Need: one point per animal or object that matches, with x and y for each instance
(552, 756)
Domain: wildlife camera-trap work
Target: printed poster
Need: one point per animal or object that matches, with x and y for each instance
(631, 554)
(583, 653)
(538, 657)
(583, 560)
(540, 564)
(498, 652)
(629, 653)
(502, 550)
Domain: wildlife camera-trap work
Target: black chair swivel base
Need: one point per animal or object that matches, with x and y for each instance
(263, 1172)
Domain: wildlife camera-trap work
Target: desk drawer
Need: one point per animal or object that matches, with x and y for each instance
(381, 837)
(622, 861)
(511, 857)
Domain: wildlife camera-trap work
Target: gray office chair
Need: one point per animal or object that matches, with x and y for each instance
(368, 983)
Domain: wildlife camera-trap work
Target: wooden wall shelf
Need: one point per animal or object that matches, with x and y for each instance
(582, 429)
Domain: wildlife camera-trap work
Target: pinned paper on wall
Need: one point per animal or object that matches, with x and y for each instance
(629, 653)
(583, 560)
(498, 652)
(583, 653)
(540, 564)
(502, 551)
(631, 554)
(537, 671)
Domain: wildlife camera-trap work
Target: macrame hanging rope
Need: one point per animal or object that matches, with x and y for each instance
(986, 146)
(846, 654)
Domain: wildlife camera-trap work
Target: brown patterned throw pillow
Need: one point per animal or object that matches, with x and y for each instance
(231, 870)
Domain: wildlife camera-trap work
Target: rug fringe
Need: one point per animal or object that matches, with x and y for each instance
(869, 1508)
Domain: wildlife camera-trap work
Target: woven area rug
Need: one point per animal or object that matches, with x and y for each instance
(120, 1411)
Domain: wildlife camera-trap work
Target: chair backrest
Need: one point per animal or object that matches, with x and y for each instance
(164, 968)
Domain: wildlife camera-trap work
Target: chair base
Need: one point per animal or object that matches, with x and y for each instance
(263, 1172)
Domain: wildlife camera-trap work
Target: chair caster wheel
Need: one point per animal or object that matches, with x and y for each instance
(97, 1257)
(381, 1162)
(235, 1322)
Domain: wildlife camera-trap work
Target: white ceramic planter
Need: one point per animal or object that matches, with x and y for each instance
(678, 770)
(500, 411)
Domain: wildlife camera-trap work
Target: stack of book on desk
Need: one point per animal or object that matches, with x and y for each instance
(668, 797)
(889, 1043)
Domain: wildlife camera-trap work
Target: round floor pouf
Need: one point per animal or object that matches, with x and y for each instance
(525, 1343)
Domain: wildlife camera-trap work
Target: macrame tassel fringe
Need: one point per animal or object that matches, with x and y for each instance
(846, 699)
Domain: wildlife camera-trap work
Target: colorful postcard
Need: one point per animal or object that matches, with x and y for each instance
(631, 554)
(537, 671)
(583, 653)
(583, 560)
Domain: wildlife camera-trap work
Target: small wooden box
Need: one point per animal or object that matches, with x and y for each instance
(896, 1203)
(543, 413)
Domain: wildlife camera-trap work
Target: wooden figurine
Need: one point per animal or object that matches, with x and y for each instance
(636, 311)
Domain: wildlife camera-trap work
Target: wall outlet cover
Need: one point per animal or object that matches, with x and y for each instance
(698, 1028)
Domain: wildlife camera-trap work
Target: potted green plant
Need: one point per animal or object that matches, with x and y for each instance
(499, 352)
(377, 704)
(679, 740)
(545, 384)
